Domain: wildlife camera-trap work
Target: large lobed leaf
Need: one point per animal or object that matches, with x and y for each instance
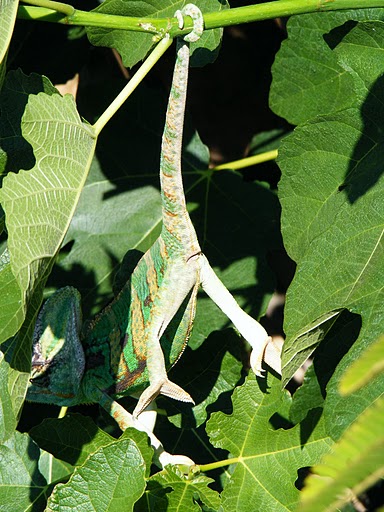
(332, 218)
(170, 491)
(111, 479)
(332, 222)
(39, 203)
(26, 474)
(308, 78)
(267, 460)
(15, 153)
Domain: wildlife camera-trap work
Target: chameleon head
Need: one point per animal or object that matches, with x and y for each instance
(57, 354)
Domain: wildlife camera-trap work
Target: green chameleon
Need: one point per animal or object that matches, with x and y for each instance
(128, 347)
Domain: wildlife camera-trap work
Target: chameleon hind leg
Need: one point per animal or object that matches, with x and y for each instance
(262, 345)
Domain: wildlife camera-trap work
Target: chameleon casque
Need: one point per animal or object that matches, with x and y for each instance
(128, 347)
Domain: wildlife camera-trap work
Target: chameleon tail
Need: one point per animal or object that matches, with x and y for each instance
(178, 230)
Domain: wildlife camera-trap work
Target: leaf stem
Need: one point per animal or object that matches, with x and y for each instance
(63, 412)
(66, 9)
(248, 161)
(144, 69)
(161, 26)
(218, 464)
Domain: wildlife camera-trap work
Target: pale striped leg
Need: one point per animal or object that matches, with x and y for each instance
(248, 327)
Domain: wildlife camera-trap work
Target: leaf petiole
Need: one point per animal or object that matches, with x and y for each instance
(60, 7)
(144, 69)
(248, 161)
(63, 412)
(218, 464)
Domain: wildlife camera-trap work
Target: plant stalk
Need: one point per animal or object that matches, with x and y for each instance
(212, 20)
(248, 161)
(144, 69)
(218, 464)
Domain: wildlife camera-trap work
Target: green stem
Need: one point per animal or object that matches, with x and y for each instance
(212, 20)
(63, 412)
(66, 9)
(218, 464)
(247, 162)
(147, 65)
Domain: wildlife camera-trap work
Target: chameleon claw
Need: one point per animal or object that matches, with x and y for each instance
(257, 357)
(270, 354)
(164, 387)
(185, 462)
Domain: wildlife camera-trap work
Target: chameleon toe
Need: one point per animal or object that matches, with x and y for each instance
(164, 387)
(174, 391)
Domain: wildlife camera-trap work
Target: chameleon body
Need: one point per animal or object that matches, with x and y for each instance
(128, 348)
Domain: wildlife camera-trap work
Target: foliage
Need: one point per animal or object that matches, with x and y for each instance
(76, 203)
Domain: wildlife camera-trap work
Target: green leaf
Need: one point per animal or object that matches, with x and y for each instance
(364, 369)
(22, 485)
(266, 460)
(15, 152)
(7, 415)
(313, 391)
(354, 464)
(63, 147)
(56, 436)
(332, 181)
(170, 490)
(11, 304)
(134, 46)
(8, 11)
(308, 78)
(40, 203)
(111, 479)
(266, 141)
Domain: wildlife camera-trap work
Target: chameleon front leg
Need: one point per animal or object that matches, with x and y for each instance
(248, 327)
(145, 424)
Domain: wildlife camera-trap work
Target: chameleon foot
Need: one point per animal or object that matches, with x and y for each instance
(164, 387)
(165, 458)
(146, 423)
(247, 326)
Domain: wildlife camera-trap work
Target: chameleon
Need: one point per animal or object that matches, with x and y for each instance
(129, 346)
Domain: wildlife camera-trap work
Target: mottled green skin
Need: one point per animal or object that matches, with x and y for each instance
(115, 340)
(110, 354)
